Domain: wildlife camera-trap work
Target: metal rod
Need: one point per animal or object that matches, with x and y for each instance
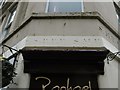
(9, 47)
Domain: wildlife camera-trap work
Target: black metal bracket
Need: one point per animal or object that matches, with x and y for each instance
(112, 56)
(14, 55)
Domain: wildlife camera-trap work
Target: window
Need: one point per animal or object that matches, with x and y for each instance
(117, 12)
(64, 6)
(9, 21)
(118, 17)
(2, 3)
(10, 18)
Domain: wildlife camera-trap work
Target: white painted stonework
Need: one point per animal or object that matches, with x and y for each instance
(64, 41)
(109, 79)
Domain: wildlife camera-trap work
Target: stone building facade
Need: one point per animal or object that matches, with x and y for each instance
(65, 44)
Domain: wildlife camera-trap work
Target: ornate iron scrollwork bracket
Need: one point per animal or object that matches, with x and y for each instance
(14, 55)
(112, 56)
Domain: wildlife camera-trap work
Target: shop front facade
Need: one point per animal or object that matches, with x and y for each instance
(59, 47)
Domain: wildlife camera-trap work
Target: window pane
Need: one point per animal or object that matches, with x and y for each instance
(9, 21)
(12, 15)
(64, 6)
(2, 2)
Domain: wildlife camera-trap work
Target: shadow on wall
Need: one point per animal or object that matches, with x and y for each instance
(119, 45)
(119, 62)
(119, 34)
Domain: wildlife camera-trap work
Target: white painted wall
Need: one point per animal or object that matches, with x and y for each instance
(105, 8)
(111, 77)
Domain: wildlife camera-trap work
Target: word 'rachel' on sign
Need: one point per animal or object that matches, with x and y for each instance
(67, 87)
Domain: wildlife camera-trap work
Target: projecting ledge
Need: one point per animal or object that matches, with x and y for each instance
(66, 15)
(75, 15)
(64, 61)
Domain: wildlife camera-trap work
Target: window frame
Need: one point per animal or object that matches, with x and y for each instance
(3, 2)
(117, 12)
(11, 14)
(48, 3)
(8, 24)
